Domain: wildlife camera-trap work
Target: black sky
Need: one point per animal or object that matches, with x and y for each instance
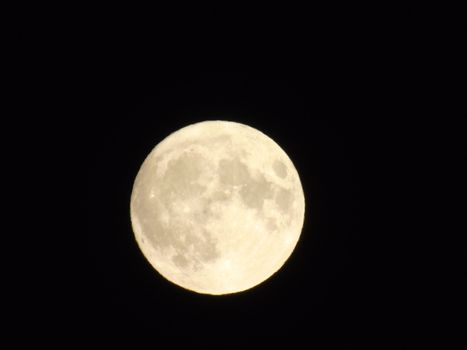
(340, 104)
(336, 129)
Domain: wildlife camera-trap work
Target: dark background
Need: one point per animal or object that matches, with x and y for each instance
(337, 130)
(342, 102)
(365, 101)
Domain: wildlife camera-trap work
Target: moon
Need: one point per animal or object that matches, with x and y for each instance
(217, 207)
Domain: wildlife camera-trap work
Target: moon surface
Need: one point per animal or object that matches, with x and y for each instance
(217, 207)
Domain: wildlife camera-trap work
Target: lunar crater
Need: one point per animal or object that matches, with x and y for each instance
(279, 169)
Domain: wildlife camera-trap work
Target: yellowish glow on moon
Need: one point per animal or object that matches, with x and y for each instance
(217, 207)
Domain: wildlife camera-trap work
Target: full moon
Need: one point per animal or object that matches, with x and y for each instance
(217, 207)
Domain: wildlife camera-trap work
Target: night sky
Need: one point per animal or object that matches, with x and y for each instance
(340, 109)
